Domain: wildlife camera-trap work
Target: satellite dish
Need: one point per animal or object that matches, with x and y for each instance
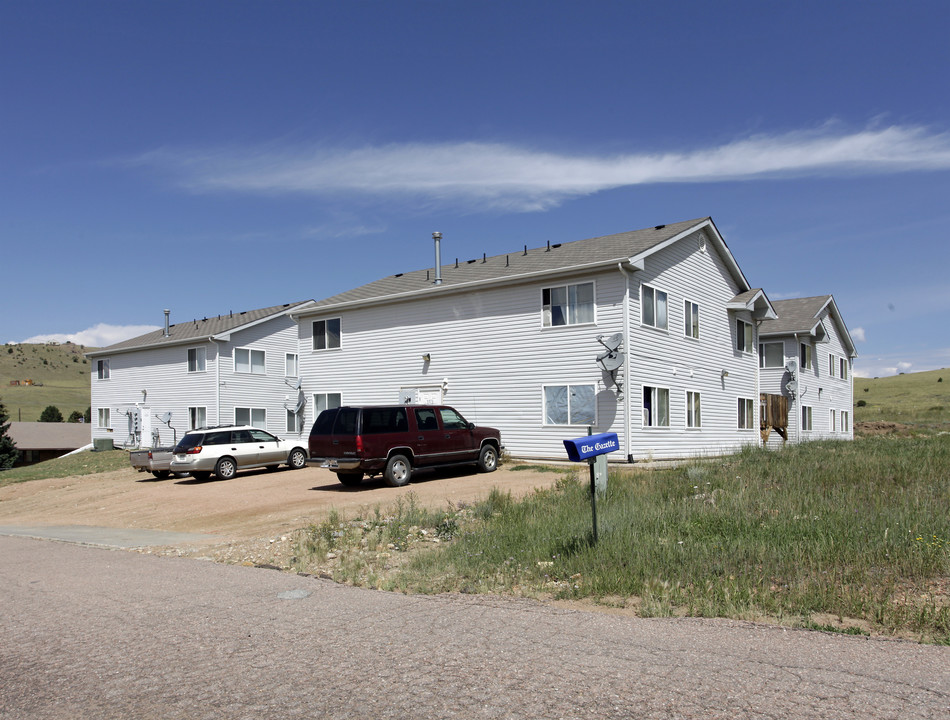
(165, 418)
(613, 342)
(791, 365)
(610, 360)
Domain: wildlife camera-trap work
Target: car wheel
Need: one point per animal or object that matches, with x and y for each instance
(297, 459)
(160, 474)
(226, 468)
(488, 459)
(201, 475)
(350, 479)
(398, 470)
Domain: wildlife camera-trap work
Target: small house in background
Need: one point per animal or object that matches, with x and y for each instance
(39, 441)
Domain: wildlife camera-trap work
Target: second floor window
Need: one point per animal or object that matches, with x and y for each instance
(805, 356)
(290, 365)
(691, 311)
(196, 359)
(326, 334)
(743, 336)
(102, 369)
(249, 361)
(568, 304)
(653, 307)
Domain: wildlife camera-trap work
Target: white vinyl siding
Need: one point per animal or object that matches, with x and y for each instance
(568, 304)
(250, 416)
(247, 360)
(327, 334)
(569, 405)
(654, 307)
(197, 359)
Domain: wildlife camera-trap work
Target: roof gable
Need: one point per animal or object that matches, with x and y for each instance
(804, 316)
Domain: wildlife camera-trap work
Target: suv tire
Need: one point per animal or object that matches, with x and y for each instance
(488, 459)
(398, 470)
(226, 468)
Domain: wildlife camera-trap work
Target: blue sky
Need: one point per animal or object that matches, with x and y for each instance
(215, 156)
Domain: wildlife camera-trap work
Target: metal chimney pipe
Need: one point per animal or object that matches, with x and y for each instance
(167, 313)
(437, 237)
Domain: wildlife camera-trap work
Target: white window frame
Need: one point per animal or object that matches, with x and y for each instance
(843, 374)
(291, 365)
(805, 356)
(745, 336)
(658, 396)
(254, 416)
(103, 369)
(694, 414)
(294, 421)
(321, 402)
(832, 421)
(569, 389)
(104, 417)
(691, 319)
(653, 293)
(197, 417)
(323, 335)
(252, 368)
(575, 312)
(845, 421)
(745, 414)
(807, 418)
(832, 360)
(763, 355)
(200, 363)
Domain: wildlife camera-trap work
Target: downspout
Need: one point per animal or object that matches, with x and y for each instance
(626, 363)
(798, 396)
(217, 381)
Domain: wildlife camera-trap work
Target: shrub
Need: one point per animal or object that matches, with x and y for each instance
(862, 403)
(51, 414)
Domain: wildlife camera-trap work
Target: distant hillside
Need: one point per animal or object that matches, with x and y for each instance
(920, 400)
(60, 375)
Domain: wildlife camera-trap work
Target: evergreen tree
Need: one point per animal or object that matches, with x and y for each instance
(87, 416)
(74, 417)
(8, 452)
(51, 414)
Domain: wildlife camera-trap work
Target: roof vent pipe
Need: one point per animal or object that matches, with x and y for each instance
(167, 313)
(437, 238)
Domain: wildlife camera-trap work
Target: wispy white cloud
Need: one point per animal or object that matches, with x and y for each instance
(520, 178)
(97, 336)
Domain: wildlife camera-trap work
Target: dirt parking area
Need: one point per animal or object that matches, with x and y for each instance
(250, 518)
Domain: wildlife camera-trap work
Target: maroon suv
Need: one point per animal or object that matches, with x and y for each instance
(392, 439)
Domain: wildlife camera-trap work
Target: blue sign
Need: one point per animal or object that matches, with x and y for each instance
(591, 445)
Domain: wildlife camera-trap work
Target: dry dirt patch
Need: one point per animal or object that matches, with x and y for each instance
(246, 516)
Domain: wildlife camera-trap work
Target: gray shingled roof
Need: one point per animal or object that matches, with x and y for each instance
(799, 315)
(560, 256)
(50, 436)
(198, 328)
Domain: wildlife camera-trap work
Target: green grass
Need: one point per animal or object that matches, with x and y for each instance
(856, 531)
(84, 463)
(920, 400)
(62, 370)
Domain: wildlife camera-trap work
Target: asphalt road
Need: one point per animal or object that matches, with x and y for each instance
(95, 633)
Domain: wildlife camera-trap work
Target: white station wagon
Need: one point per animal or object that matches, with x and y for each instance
(225, 450)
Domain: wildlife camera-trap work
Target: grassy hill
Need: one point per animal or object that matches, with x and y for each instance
(60, 374)
(921, 400)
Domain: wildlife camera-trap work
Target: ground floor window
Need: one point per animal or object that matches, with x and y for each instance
(746, 414)
(845, 427)
(250, 416)
(656, 406)
(693, 417)
(832, 425)
(569, 405)
(104, 418)
(294, 421)
(326, 401)
(197, 417)
(806, 417)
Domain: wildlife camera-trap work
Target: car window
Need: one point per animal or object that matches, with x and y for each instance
(346, 421)
(324, 423)
(384, 420)
(451, 420)
(240, 436)
(188, 442)
(261, 436)
(426, 420)
(218, 438)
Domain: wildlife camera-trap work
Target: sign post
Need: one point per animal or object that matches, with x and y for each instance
(591, 448)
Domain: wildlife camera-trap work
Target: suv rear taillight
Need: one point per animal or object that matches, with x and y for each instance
(359, 444)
